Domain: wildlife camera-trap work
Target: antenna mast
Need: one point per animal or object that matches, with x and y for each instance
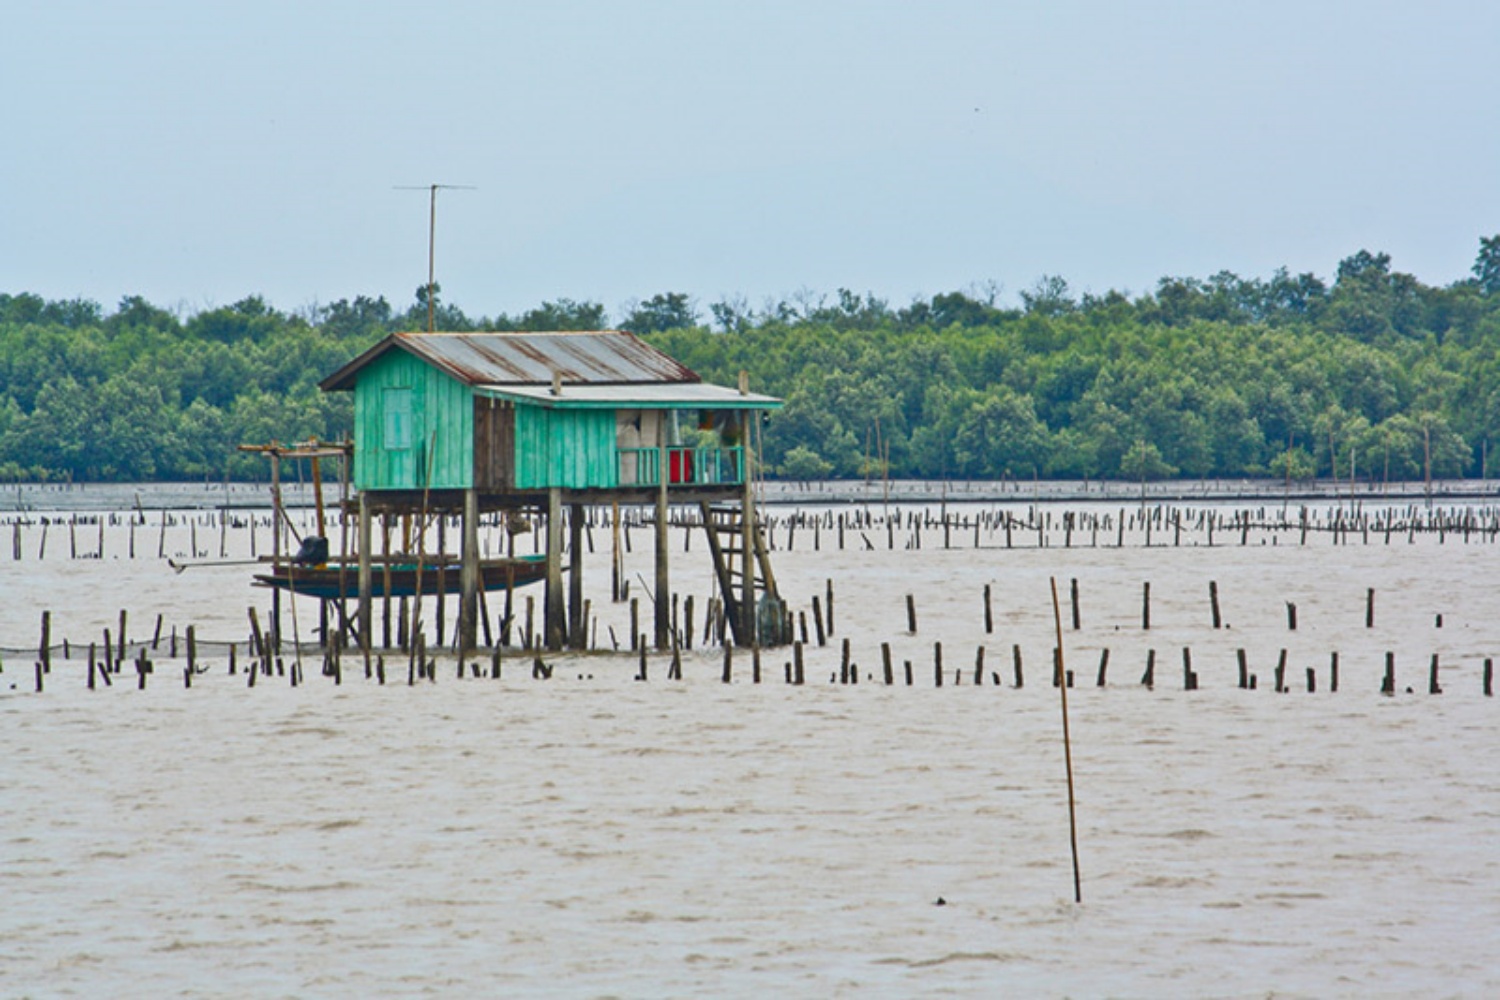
(432, 239)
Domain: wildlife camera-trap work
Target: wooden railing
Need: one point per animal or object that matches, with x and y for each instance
(685, 466)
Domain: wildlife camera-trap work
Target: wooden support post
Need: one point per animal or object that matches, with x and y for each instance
(616, 564)
(468, 586)
(577, 620)
(1213, 600)
(385, 601)
(554, 622)
(259, 639)
(662, 597)
(747, 541)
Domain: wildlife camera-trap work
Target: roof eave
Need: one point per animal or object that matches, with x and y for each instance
(661, 402)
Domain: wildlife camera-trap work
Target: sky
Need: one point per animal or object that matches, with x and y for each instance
(198, 153)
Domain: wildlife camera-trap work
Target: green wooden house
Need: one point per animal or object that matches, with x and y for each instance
(516, 413)
(542, 421)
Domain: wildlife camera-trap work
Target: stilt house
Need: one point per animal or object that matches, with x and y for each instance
(538, 421)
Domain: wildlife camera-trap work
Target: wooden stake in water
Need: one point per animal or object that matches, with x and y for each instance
(1067, 748)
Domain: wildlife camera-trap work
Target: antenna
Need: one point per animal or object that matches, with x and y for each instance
(432, 234)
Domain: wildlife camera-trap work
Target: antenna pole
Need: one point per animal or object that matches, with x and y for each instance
(431, 256)
(432, 190)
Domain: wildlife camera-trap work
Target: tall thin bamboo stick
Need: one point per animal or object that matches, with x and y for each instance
(1067, 744)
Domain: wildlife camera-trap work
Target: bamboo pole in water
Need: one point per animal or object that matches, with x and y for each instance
(1067, 747)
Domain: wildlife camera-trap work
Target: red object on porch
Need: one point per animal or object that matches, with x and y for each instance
(680, 461)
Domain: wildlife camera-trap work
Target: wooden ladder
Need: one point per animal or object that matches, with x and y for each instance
(726, 522)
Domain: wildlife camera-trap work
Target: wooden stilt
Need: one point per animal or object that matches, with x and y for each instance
(577, 621)
(468, 607)
(554, 622)
(365, 580)
(662, 597)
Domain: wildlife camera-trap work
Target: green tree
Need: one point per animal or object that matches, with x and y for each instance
(666, 311)
(999, 434)
(563, 314)
(1293, 463)
(1048, 297)
(1487, 265)
(247, 319)
(803, 463)
(1143, 461)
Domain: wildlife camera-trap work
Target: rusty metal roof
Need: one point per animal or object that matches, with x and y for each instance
(599, 357)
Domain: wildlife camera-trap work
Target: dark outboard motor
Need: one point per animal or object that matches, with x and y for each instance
(314, 551)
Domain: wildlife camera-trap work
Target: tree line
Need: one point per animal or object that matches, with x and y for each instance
(1373, 375)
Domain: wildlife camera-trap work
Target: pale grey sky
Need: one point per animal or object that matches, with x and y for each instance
(195, 153)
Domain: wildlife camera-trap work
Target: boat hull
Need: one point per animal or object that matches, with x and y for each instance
(333, 582)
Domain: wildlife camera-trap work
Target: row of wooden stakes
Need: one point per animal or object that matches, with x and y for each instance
(985, 527)
(265, 662)
(682, 625)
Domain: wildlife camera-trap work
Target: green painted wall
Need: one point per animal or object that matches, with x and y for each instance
(403, 407)
(574, 449)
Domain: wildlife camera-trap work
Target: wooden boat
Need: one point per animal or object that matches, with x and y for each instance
(329, 581)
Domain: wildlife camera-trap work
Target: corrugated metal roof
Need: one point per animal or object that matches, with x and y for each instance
(691, 395)
(599, 357)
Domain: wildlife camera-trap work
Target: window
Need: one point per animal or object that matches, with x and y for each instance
(396, 405)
